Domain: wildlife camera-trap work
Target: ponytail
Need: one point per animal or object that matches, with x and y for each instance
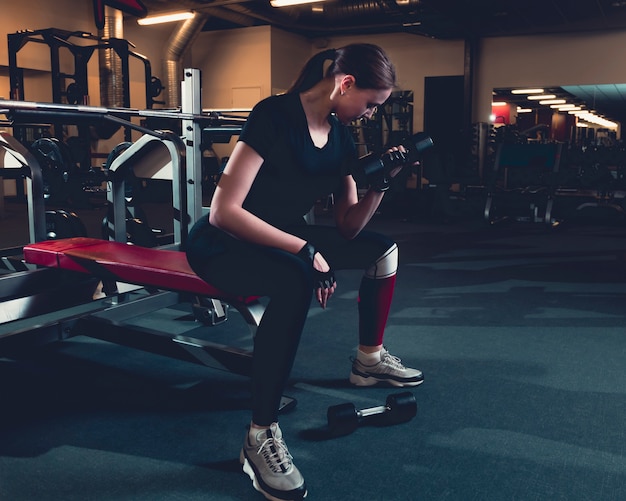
(313, 71)
(368, 63)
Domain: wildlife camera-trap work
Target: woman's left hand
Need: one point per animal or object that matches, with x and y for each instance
(394, 172)
(325, 283)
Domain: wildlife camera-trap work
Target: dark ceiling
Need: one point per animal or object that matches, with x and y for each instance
(440, 19)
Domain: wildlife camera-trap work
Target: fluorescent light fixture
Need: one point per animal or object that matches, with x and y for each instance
(542, 96)
(527, 91)
(289, 3)
(165, 18)
(524, 110)
(553, 101)
(499, 103)
(581, 124)
(594, 119)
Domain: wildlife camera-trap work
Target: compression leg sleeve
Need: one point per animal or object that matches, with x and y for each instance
(375, 295)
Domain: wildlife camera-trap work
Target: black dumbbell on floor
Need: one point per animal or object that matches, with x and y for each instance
(343, 419)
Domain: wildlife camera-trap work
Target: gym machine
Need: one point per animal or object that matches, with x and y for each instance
(132, 292)
(521, 185)
(72, 88)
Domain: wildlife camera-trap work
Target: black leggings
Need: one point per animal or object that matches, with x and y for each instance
(246, 269)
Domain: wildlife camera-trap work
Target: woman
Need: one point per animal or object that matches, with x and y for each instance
(294, 149)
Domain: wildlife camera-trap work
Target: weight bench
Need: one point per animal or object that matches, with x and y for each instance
(157, 271)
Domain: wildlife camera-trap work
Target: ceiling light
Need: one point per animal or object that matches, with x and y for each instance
(527, 91)
(553, 101)
(524, 110)
(165, 18)
(288, 3)
(542, 96)
(498, 103)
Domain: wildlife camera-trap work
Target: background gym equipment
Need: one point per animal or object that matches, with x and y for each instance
(521, 185)
(343, 419)
(63, 224)
(72, 88)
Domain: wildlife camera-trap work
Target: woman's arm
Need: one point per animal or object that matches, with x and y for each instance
(352, 214)
(227, 212)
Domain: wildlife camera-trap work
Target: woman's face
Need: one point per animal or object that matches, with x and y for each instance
(358, 103)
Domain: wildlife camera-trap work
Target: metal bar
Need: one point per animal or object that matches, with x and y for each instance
(191, 104)
(152, 341)
(212, 116)
(140, 304)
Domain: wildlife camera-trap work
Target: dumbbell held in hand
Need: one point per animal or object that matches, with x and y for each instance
(374, 164)
(343, 419)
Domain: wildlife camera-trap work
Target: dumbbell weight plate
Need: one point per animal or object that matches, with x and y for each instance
(63, 224)
(343, 419)
(402, 407)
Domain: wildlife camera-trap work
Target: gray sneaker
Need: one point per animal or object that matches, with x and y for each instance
(270, 466)
(389, 370)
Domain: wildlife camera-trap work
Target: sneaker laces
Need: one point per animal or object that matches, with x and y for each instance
(387, 358)
(275, 453)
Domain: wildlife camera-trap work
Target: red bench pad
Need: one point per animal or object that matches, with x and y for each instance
(162, 269)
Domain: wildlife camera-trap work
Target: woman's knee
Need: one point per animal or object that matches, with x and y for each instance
(383, 252)
(386, 265)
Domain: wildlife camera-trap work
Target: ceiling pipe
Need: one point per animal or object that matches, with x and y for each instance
(175, 49)
(229, 15)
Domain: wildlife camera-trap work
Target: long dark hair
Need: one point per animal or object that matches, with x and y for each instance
(367, 63)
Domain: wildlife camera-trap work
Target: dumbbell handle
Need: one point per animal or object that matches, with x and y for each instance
(372, 410)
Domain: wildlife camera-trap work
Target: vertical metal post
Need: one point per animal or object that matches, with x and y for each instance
(192, 133)
(468, 94)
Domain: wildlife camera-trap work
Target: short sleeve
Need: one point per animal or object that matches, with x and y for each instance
(260, 130)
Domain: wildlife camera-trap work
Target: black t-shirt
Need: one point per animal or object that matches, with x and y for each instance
(295, 173)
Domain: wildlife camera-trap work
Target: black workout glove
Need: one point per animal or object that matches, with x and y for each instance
(321, 279)
(381, 179)
(380, 182)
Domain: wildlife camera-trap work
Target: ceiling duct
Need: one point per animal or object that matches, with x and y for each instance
(110, 64)
(337, 17)
(179, 42)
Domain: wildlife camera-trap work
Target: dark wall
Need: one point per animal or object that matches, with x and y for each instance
(443, 121)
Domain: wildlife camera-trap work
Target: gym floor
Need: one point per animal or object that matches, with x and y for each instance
(519, 332)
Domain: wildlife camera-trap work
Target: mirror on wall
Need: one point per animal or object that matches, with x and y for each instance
(565, 113)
